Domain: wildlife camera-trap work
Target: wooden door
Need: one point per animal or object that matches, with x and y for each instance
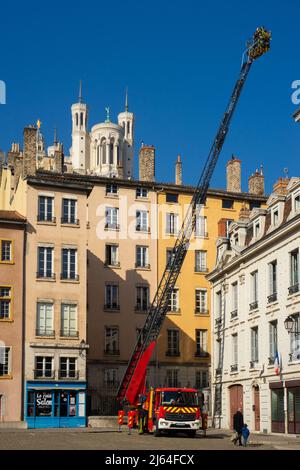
(236, 401)
(256, 409)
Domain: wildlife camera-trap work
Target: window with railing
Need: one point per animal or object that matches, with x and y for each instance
(111, 340)
(112, 297)
(43, 368)
(67, 368)
(5, 302)
(6, 255)
(172, 224)
(254, 346)
(142, 257)
(174, 301)
(173, 343)
(69, 321)
(69, 211)
(294, 272)
(112, 255)
(200, 261)
(46, 209)
(44, 321)
(201, 301)
(272, 282)
(45, 262)
(142, 221)
(201, 343)
(142, 298)
(112, 218)
(69, 264)
(5, 361)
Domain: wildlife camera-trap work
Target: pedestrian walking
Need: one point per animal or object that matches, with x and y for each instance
(238, 423)
(245, 434)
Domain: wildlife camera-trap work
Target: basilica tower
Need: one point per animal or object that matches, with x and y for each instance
(80, 151)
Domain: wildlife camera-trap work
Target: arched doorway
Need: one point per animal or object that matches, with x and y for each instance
(256, 408)
(236, 401)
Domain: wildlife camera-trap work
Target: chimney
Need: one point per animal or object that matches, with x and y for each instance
(178, 171)
(59, 159)
(233, 169)
(256, 183)
(29, 158)
(280, 187)
(147, 163)
(244, 214)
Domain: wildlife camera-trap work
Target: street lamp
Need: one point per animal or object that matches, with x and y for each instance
(291, 325)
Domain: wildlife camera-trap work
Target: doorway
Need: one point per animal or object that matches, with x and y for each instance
(294, 410)
(256, 408)
(236, 401)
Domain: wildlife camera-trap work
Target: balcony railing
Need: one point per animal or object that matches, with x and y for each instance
(69, 277)
(201, 311)
(113, 264)
(271, 361)
(69, 221)
(44, 333)
(43, 275)
(294, 356)
(44, 374)
(140, 228)
(143, 266)
(172, 353)
(68, 374)
(45, 218)
(253, 364)
(201, 269)
(272, 298)
(111, 352)
(293, 289)
(234, 368)
(201, 354)
(109, 226)
(253, 305)
(111, 307)
(234, 314)
(69, 334)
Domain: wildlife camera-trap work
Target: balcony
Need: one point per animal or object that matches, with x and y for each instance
(294, 356)
(272, 298)
(253, 364)
(271, 361)
(44, 374)
(201, 311)
(112, 307)
(234, 314)
(41, 275)
(42, 333)
(293, 289)
(109, 226)
(201, 354)
(68, 374)
(253, 305)
(46, 218)
(69, 334)
(111, 352)
(172, 353)
(69, 277)
(69, 221)
(234, 368)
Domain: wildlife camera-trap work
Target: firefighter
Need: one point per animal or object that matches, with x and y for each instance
(142, 414)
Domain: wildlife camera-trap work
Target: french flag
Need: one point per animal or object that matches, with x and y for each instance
(277, 363)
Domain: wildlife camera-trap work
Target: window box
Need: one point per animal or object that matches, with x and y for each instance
(272, 298)
(234, 368)
(253, 364)
(234, 314)
(109, 226)
(271, 361)
(253, 305)
(293, 289)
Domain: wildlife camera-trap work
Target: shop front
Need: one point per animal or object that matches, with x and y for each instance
(55, 404)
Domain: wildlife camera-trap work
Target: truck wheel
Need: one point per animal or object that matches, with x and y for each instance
(157, 432)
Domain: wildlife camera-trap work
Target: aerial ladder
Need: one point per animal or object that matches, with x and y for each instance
(133, 382)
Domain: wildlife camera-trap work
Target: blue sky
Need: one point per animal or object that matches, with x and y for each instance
(180, 61)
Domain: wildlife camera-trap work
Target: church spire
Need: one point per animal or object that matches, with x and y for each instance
(80, 92)
(55, 136)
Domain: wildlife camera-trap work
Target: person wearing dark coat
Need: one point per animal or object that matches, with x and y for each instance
(238, 424)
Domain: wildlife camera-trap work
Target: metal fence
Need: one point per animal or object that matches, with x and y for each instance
(103, 402)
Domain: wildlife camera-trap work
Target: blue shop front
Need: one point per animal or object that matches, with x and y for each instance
(55, 404)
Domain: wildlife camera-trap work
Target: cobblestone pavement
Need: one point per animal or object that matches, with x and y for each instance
(110, 439)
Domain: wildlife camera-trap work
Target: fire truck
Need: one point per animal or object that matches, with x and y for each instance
(176, 409)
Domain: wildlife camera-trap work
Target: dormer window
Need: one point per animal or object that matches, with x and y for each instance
(275, 216)
(236, 239)
(297, 202)
(256, 228)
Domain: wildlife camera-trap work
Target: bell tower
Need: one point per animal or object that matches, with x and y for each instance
(80, 151)
(126, 121)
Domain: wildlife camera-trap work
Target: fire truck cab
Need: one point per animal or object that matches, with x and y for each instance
(176, 409)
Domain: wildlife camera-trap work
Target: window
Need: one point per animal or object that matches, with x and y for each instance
(172, 224)
(111, 190)
(112, 297)
(69, 321)
(253, 205)
(294, 269)
(200, 301)
(200, 261)
(5, 361)
(254, 286)
(172, 378)
(173, 343)
(273, 340)
(254, 345)
(69, 211)
(142, 221)
(297, 203)
(227, 204)
(112, 218)
(112, 255)
(142, 298)
(103, 151)
(111, 154)
(256, 228)
(234, 298)
(201, 226)
(228, 223)
(275, 216)
(110, 377)
(219, 353)
(295, 339)
(142, 257)
(170, 197)
(234, 352)
(218, 304)
(45, 262)
(44, 321)
(5, 303)
(201, 379)
(141, 192)
(6, 251)
(174, 301)
(44, 368)
(201, 343)
(69, 264)
(111, 340)
(67, 368)
(272, 281)
(46, 209)
(169, 253)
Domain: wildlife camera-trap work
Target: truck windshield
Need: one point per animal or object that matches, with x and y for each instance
(179, 398)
